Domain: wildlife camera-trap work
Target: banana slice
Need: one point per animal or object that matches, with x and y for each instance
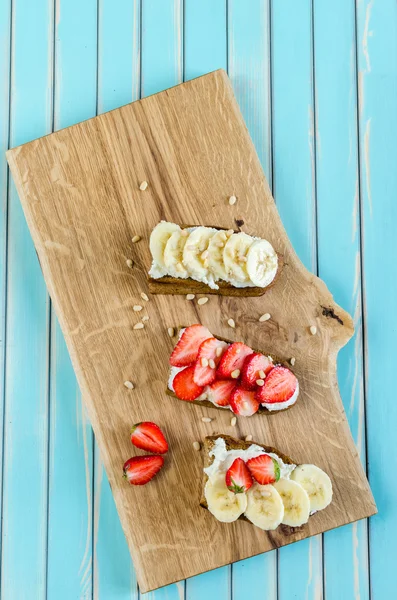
(173, 254)
(235, 258)
(262, 262)
(265, 508)
(215, 255)
(158, 239)
(316, 483)
(222, 503)
(296, 502)
(196, 254)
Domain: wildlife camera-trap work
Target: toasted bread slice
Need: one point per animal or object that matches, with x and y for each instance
(173, 286)
(262, 409)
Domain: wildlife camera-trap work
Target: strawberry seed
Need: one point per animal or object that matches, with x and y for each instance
(235, 374)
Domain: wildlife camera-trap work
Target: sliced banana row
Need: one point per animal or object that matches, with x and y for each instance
(288, 501)
(208, 255)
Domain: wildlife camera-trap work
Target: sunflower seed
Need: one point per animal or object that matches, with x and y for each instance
(171, 331)
(231, 323)
(233, 421)
(139, 326)
(264, 317)
(135, 239)
(190, 296)
(196, 445)
(143, 186)
(202, 301)
(232, 200)
(206, 419)
(144, 297)
(129, 385)
(313, 329)
(137, 307)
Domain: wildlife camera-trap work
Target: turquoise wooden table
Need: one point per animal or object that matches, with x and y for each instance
(317, 84)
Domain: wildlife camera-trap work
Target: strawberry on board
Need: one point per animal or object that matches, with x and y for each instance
(280, 385)
(255, 366)
(184, 386)
(220, 391)
(232, 361)
(264, 469)
(208, 357)
(238, 477)
(141, 469)
(243, 402)
(148, 436)
(186, 350)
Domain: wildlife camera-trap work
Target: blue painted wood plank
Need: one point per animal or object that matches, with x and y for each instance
(377, 79)
(294, 189)
(345, 549)
(69, 571)
(24, 510)
(249, 70)
(118, 84)
(5, 72)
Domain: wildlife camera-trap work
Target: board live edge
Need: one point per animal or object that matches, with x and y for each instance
(79, 188)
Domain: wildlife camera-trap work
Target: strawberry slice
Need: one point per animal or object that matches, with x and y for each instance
(208, 357)
(253, 365)
(243, 402)
(148, 436)
(141, 469)
(232, 361)
(219, 392)
(186, 350)
(184, 386)
(280, 385)
(264, 469)
(238, 477)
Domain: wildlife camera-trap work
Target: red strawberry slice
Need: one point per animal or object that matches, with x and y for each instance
(184, 386)
(207, 360)
(186, 350)
(253, 365)
(264, 469)
(141, 469)
(232, 360)
(148, 436)
(238, 477)
(280, 385)
(243, 402)
(219, 392)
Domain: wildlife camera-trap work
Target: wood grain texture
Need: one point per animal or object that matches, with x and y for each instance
(79, 189)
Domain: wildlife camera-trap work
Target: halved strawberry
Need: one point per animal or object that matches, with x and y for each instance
(184, 386)
(141, 469)
(232, 360)
(253, 365)
(186, 350)
(207, 360)
(219, 392)
(264, 469)
(238, 477)
(243, 402)
(280, 385)
(148, 436)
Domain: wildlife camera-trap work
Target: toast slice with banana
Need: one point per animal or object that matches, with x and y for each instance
(211, 260)
(260, 484)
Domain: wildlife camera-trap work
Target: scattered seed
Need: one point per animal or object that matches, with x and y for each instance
(129, 385)
(129, 263)
(233, 421)
(264, 317)
(260, 382)
(313, 329)
(229, 232)
(171, 331)
(144, 297)
(235, 374)
(145, 318)
(184, 232)
(202, 301)
(262, 374)
(205, 254)
(248, 437)
(218, 351)
(219, 244)
(143, 186)
(135, 239)
(139, 326)
(232, 200)
(206, 419)
(204, 362)
(211, 363)
(196, 445)
(190, 296)
(203, 397)
(231, 323)
(137, 307)
(292, 361)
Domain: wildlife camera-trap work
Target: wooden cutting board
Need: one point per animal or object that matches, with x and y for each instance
(80, 192)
